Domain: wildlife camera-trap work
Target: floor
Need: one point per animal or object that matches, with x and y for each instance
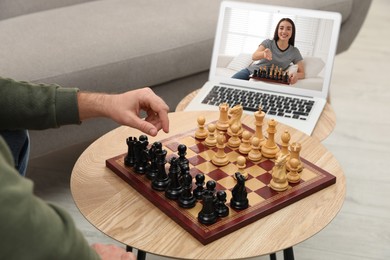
(360, 142)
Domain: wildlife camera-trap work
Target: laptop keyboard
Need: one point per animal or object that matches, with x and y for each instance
(272, 104)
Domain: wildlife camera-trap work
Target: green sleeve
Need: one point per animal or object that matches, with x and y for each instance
(31, 228)
(25, 105)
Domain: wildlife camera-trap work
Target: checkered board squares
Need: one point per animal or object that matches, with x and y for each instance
(262, 199)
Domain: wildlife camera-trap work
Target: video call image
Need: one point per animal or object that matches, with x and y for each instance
(244, 31)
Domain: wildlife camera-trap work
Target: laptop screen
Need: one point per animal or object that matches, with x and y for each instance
(246, 28)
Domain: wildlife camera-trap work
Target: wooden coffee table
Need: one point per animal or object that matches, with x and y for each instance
(119, 211)
(322, 130)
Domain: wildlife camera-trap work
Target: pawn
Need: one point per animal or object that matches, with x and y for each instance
(221, 208)
(211, 140)
(201, 132)
(241, 165)
(210, 187)
(255, 154)
(208, 214)
(245, 145)
(182, 152)
(220, 158)
(199, 183)
(293, 175)
(186, 198)
(234, 141)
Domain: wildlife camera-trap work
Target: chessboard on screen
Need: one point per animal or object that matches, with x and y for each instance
(221, 175)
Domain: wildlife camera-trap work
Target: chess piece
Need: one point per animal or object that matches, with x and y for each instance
(293, 175)
(270, 149)
(160, 182)
(152, 171)
(199, 189)
(186, 198)
(241, 165)
(141, 155)
(208, 214)
(234, 141)
(239, 198)
(174, 188)
(259, 118)
(210, 187)
(245, 145)
(223, 121)
(211, 140)
(295, 149)
(235, 118)
(201, 132)
(221, 208)
(182, 152)
(285, 143)
(220, 158)
(255, 155)
(130, 157)
(279, 176)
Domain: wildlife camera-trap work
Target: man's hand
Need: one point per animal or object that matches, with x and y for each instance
(112, 252)
(125, 109)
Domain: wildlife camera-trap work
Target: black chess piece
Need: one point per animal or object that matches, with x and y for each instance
(161, 181)
(210, 187)
(186, 198)
(239, 199)
(152, 171)
(182, 152)
(285, 77)
(174, 188)
(208, 214)
(199, 182)
(255, 73)
(142, 156)
(221, 208)
(130, 157)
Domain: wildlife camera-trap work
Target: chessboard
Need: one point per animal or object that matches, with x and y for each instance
(262, 199)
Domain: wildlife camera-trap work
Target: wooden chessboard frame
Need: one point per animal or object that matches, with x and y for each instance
(209, 233)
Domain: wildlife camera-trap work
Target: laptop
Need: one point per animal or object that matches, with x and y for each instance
(240, 30)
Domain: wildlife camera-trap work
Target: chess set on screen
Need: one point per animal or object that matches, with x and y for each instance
(221, 175)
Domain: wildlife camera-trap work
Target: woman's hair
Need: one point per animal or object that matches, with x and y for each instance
(291, 41)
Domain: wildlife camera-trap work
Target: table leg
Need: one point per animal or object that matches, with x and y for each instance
(141, 255)
(288, 254)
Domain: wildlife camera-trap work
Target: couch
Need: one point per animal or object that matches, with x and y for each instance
(119, 45)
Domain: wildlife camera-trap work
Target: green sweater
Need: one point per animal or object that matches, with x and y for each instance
(29, 227)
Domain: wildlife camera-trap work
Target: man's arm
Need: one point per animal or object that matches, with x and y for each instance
(37, 106)
(30, 228)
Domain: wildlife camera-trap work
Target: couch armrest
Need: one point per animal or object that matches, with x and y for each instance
(351, 27)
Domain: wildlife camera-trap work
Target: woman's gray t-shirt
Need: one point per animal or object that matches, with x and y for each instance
(281, 58)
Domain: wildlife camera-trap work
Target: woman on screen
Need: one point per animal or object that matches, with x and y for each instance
(280, 51)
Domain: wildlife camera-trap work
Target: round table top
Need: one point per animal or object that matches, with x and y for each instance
(322, 130)
(115, 208)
